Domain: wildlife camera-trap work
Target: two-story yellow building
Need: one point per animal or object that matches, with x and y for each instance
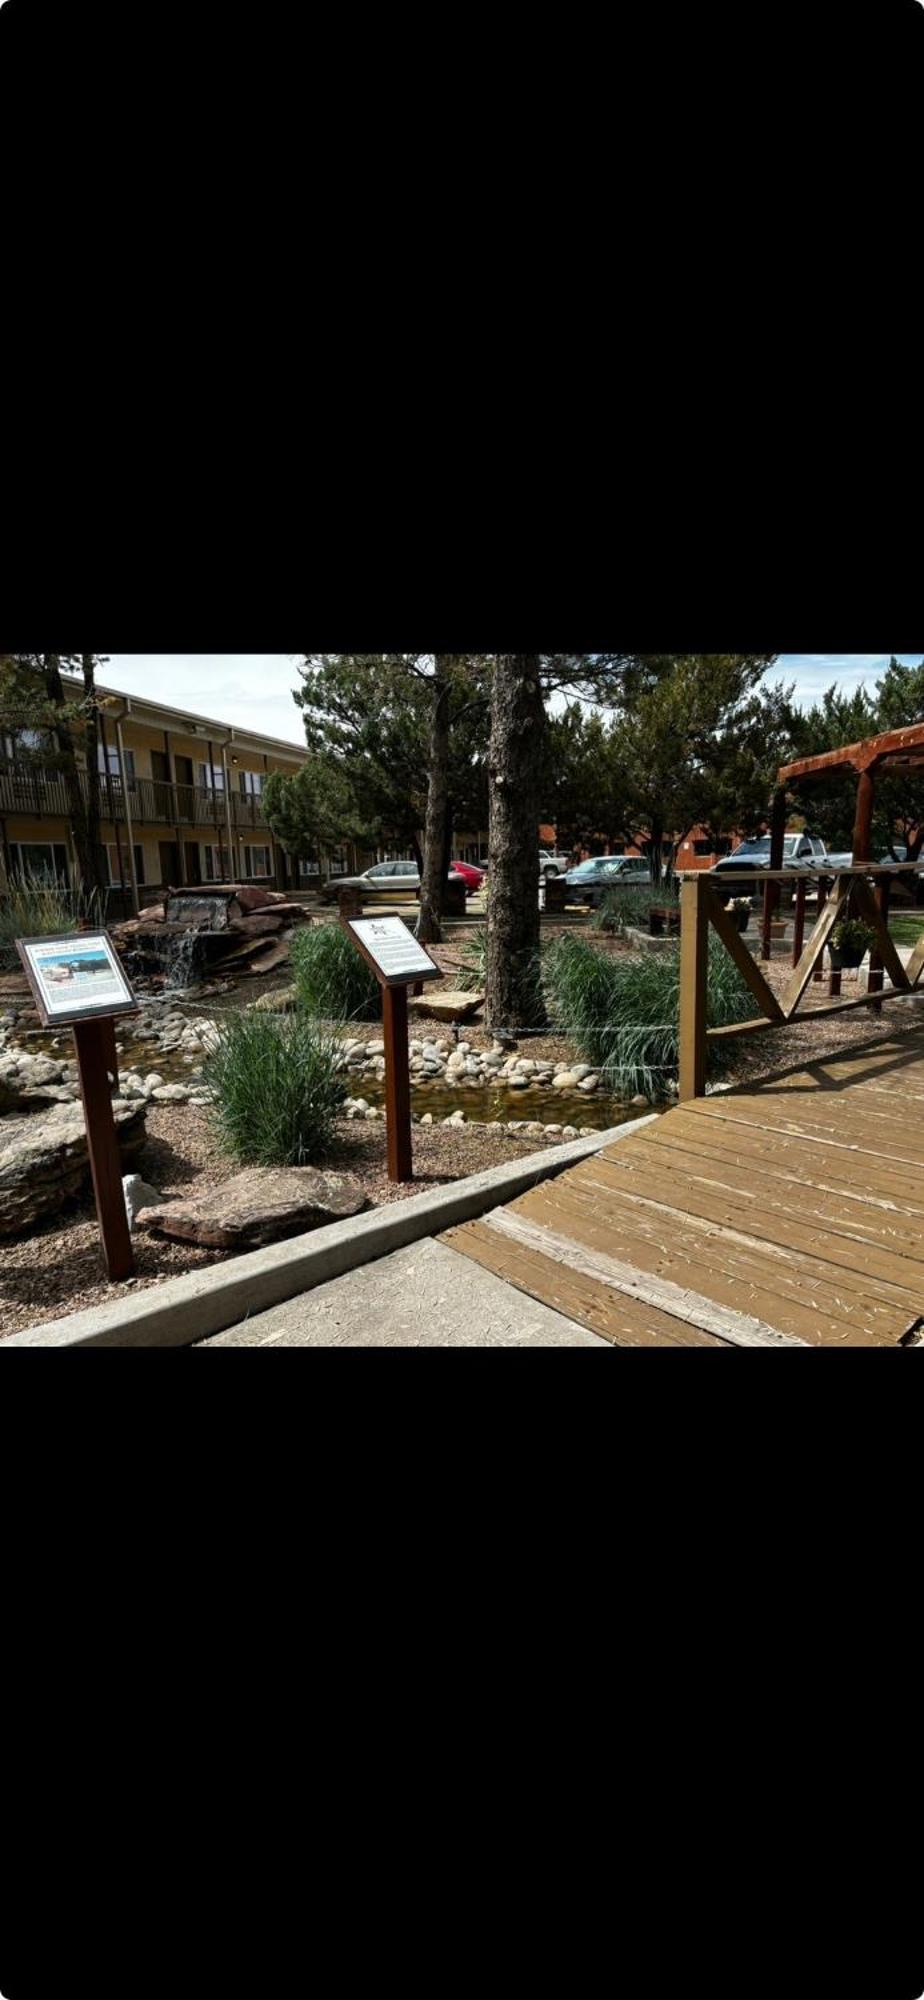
(181, 797)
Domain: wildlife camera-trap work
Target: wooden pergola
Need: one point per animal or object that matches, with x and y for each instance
(897, 750)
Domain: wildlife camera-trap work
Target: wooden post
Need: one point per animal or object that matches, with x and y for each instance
(822, 898)
(863, 823)
(694, 940)
(798, 936)
(91, 1042)
(883, 899)
(772, 889)
(397, 1084)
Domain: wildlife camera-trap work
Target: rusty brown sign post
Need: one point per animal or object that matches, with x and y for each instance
(76, 981)
(398, 962)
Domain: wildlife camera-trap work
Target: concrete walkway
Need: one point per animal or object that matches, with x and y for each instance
(422, 1296)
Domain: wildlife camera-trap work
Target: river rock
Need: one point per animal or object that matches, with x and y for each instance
(44, 1159)
(261, 1205)
(171, 1093)
(565, 1080)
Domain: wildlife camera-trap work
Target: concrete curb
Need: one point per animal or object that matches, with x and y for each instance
(200, 1303)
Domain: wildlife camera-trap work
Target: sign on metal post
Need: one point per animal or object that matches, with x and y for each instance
(76, 981)
(398, 961)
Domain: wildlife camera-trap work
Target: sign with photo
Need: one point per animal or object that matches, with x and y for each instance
(392, 950)
(76, 977)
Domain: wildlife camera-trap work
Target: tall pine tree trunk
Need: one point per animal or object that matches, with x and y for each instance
(90, 857)
(436, 853)
(514, 780)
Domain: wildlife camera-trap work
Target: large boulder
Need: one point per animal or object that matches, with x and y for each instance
(260, 1205)
(44, 1159)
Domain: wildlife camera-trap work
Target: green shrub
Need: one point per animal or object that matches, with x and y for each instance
(852, 936)
(275, 1088)
(38, 906)
(332, 979)
(624, 1013)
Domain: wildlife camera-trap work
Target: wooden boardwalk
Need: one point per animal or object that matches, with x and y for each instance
(787, 1215)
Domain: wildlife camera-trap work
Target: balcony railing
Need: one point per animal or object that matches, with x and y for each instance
(43, 794)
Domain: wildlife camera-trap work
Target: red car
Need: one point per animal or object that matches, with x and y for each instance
(472, 877)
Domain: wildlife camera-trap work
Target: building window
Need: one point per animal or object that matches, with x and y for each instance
(251, 783)
(115, 876)
(42, 861)
(108, 762)
(213, 868)
(217, 782)
(257, 861)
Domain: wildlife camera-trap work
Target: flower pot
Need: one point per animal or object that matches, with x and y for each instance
(845, 961)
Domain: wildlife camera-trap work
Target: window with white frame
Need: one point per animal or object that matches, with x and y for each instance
(116, 873)
(257, 861)
(251, 783)
(39, 860)
(215, 782)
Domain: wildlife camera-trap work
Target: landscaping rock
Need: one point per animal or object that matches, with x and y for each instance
(44, 1159)
(138, 1194)
(261, 1205)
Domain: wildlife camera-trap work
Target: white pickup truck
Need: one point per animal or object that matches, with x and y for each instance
(552, 864)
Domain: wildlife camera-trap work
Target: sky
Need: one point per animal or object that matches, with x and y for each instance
(254, 690)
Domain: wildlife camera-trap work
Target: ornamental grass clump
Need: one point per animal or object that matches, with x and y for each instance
(624, 1013)
(40, 906)
(629, 908)
(275, 1088)
(332, 980)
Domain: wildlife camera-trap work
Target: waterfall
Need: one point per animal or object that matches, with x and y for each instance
(179, 960)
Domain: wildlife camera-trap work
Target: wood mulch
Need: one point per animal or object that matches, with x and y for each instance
(57, 1269)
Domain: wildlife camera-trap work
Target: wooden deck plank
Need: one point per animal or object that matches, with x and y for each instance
(811, 1165)
(872, 1224)
(787, 1214)
(616, 1317)
(784, 1294)
(853, 1266)
(856, 1128)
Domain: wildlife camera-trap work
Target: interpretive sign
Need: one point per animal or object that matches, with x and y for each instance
(75, 977)
(398, 962)
(77, 982)
(392, 950)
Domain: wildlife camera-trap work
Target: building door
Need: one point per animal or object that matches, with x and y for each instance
(160, 772)
(169, 863)
(193, 861)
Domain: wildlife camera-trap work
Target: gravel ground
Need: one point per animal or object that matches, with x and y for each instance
(58, 1268)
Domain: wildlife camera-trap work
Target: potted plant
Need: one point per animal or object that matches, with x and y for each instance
(849, 943)
(739, 909)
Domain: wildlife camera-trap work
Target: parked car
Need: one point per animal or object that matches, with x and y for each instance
(387, 878)
(800, 850)
(472, 877)
(552, 864)
(591, 880)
